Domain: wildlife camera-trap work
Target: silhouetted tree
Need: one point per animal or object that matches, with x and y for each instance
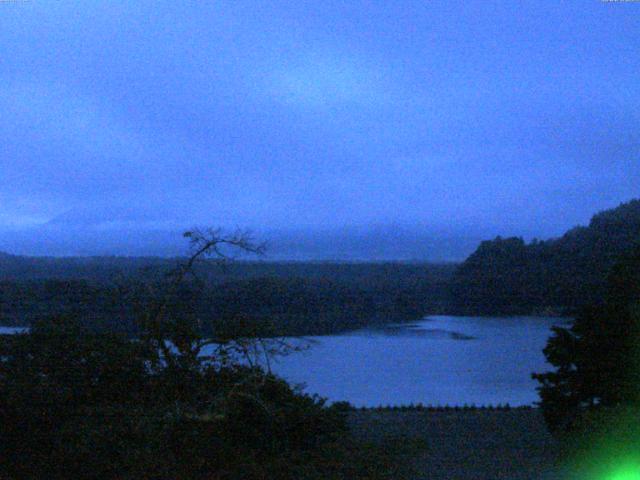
(76, 403)
(597, 359)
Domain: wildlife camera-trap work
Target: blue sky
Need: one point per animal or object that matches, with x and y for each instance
(478, 116)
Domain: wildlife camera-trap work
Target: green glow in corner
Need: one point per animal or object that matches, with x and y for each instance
(607, 446)
(629, 471)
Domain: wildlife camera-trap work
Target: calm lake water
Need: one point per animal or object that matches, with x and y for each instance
(11, 330)
(439, 360)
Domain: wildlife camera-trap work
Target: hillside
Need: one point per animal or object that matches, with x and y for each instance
(508, 276)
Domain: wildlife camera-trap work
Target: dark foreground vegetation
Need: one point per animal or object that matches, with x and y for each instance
(591, 400)
(80, 403)
(76, 404)
(597, 359)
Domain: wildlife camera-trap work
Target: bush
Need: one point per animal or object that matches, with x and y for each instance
(75, 404)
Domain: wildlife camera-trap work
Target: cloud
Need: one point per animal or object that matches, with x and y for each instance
(56, 140)
(267, 114)
(328, 78)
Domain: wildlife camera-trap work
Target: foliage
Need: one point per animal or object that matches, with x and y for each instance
(76, 402)
(59, 376)
(509, 276)
(597, 359)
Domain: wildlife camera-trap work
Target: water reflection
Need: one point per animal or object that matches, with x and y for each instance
(413, 330)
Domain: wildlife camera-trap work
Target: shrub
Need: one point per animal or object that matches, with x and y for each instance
(75, 404)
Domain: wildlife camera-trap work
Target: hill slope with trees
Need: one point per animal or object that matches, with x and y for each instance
(508, 276)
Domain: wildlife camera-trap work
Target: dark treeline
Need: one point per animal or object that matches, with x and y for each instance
(106, 269)
(280, 298)
(505, 276)
(508, 276)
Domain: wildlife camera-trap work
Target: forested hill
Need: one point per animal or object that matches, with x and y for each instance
(295, 298)
(509, 276)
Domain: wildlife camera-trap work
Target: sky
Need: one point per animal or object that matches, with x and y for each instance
(122, 123)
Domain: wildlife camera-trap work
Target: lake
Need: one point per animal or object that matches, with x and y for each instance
(12, 330)
(439, 360)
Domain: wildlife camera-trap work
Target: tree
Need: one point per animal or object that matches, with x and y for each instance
(509, 277)
(160, 325)
(76, 403)
(597, 359)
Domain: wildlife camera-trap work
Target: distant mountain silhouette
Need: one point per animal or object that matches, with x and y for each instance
(509, 276)
(82, 234)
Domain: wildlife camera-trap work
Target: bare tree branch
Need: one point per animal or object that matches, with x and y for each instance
(203, 243)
